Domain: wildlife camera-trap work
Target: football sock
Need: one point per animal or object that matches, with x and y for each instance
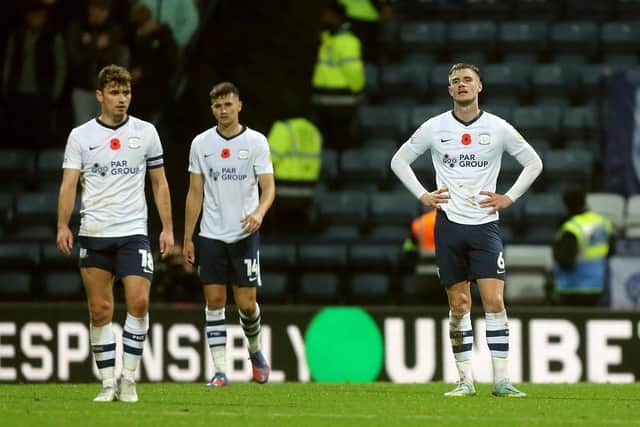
(251, 327)
(103, 345)
(461, 335)
(498, 342)
(217, 338)
(133, 336)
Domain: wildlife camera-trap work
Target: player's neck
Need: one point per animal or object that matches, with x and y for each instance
(112, 120)
(467, 112)
(230, 130)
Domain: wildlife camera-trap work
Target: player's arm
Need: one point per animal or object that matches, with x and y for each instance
(193, 206)
(401, 166)
(162, 199)
(253, 221)
(66, 201)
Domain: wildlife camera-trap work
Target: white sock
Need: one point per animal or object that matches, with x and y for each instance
(103, 345)
(134, 334)
(461, 335)
(498, 341)
(252, 327)
(217, 338)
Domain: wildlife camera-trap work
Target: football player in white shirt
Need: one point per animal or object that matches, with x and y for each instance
(466, 147)
(227, 164)
(110, 155)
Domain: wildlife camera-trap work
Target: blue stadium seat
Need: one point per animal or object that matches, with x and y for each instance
(522, 42)
(319, 288)
(20, 255)
(365, 166)
(51, 259)
(574, 37)
(15, 286)
(421, 113)
(488, 9)
(347, 207)
(340, 233)
(370, 256)
(590, 10)
(16, 168)
(329, 167)
(504, 111)
(620, 37)
(35, 232)
(388, 233)
(551, 85)
(421, 289)
(547, 10)
(382, 121)
(392, 208)
(403, 81)
(562, 167)
(438, 82)
(49, 169)
(274, 288)
(538, 121)
(37, 208)
(277, 256)
(322, 256)
(580, 123)
(423, 36)
(506, 84)
(471, 36)
(543, 214)
(372, 84)
(7, 200)
(593, 79)
(370, 288)
(63, 286)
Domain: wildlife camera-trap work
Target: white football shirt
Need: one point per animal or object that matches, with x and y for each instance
(230, 168)
(467, 159)
(113, 162)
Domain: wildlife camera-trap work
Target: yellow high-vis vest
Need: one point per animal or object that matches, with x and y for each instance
(296, 150)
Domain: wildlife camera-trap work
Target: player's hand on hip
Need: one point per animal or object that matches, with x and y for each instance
(495, 201)
(435, 198)
(166, 243)
(189, 251)
(64, 240)
(252, 222)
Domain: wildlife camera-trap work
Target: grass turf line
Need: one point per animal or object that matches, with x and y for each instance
(320, 404)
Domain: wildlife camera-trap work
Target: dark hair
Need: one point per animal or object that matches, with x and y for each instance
(338, 8)
(574, 198)
(464, 66)
(113, 74)
(222, 89)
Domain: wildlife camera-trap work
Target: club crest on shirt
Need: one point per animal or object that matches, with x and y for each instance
(485, 139)
(243, 154)
(134, 142)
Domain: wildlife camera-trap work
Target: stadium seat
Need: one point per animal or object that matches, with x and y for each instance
(322, 256)
(370, 257)
(274, 288)
(580, 123)
(590, 10)
(547, 10)
(366, 166)
(51, 259)
(372, 84)
(609, 205)
(551, 85)
(504, 111)
(49, 169)
(537, 121)
(383, 121)
(632, 217)
(569, 166)
(620, 37)
(388, 233)
(369, 288)
(525, 289)
(470, 36)
(529, 268)
(35, 232)
(423, 36)
(319, 288)
(19, 255)
(61, 286)
(7, 200)
(506, 83)
(522, 42)
(628, 9)
(420, 114)
(509, 171)
(542, 216)
(541, 146)
(438, 82)
(574, 36)
(347, 207)
(36, 208)
(408, 82)
(488, 9)
(16, 168)
(340, 233)
(276, 256)
(329, 168)
(392, 208)
(420, 289)
(15, 285)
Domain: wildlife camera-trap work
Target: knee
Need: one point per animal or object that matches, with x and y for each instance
(247, 306)
(459, 304)
(138, 306)
(216, 303)
(101, 311)
(495, 304)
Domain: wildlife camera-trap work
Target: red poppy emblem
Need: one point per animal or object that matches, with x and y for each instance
(466, 139)
(115, 144)
(226, 153)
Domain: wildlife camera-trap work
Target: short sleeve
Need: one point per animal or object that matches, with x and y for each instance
(262, 164)
(420, 141)
(155, 146)
(194, 165)
(72, 153)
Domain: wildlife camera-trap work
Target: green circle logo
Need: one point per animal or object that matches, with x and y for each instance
(343, 344)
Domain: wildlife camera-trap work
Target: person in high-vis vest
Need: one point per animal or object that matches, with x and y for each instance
(338, 80)
(296, 150)
(366, 17)
(422, 237)
(581, 249)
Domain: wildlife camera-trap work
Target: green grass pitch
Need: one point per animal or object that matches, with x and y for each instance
(320, 404)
